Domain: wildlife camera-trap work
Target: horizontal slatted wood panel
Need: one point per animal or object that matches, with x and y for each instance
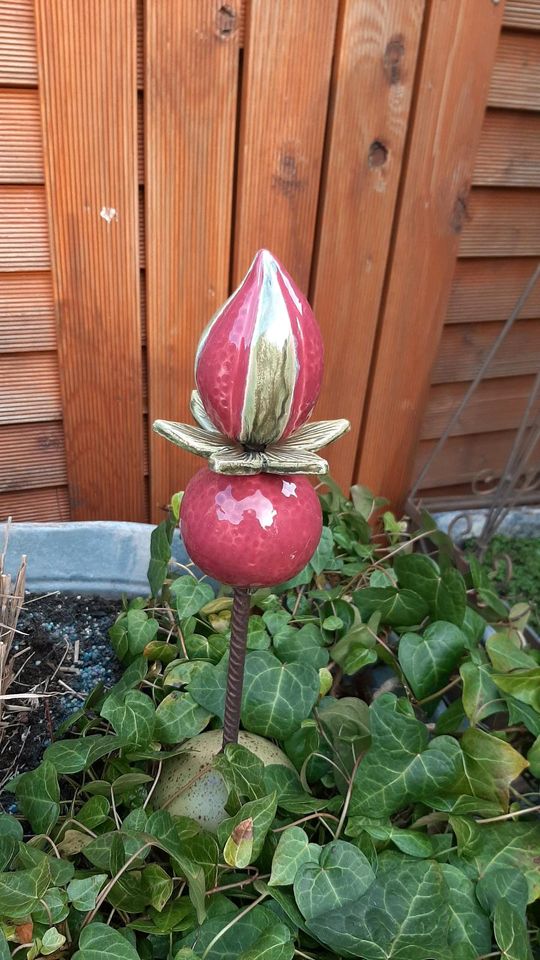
(501, 223)
(515, 81)
(509, 152)
(489, 289)
(497, 404)
(27, 319)
(49, 504)
(374, 73)
(32, 455)
(24, 242)
(29, 388)
(285, 88)
(464, 458)
(190, 127)
(18, 59)
(88, 89)
(524, 14)
(21, 153)
(464, 346)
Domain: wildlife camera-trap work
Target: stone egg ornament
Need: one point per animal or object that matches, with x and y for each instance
(189, 787)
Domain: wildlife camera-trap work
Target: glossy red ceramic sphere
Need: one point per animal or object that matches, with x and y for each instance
(250, 531)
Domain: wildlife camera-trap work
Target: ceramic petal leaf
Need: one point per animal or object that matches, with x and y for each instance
(313, 436)
(280, 459)
(233, 460)
(199, 413)
(193, 439)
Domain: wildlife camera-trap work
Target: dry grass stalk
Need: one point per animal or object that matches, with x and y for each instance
(11, 602)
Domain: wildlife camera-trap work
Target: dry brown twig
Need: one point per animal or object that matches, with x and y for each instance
(11, 601)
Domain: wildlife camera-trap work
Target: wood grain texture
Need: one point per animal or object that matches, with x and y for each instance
(18, 60)
(489, 289)
(373, 81)
(509, 151)
(27, 318)
(87, 56)
(49, 505)
(464, 346)
(497, 404)
(501, 223)
(24, 239)
(32, 455)
(29, 388)
(285, 88)
(21, 152)
(464, 458)
(524, 14)
(460, 44)
(190, 111)
(515, 81)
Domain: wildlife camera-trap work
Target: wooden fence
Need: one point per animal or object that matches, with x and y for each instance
(149, 149)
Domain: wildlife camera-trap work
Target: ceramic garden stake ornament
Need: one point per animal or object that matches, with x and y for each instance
(252, 518)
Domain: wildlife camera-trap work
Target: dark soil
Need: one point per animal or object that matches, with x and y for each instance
(63, 651)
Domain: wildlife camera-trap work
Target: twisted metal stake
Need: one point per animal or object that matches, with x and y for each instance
(237, 656)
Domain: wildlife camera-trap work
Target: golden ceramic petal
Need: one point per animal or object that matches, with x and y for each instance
(313, 436)
(235, 461)
(284, 459)
(193, 439)
(200, 414)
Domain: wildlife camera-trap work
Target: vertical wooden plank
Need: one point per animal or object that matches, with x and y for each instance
(285, 87)
(374, 73)
(460, 44)
(87, 64)
(190, 111)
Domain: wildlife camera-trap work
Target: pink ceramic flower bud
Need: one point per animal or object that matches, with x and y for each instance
(251, 531)
(259, 362)
(258, 371)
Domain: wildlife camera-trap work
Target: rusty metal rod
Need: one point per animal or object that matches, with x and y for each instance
(237, 657)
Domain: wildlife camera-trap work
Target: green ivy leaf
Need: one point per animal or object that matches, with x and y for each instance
(141, 630)
(160, 555)
(398, 608)
(533, 757)
(157, 886)
(52, 908)
(261, 812)
(469, 934)
(323, 555)
(401, 765)
(292, 852)
(301, 646)
(403, 913)
(524, 685)
(485, 589)
(429, 660)
(132, 717)
(21, 890)
(51, 941)
(510, 931)
(502, 883)
(246, 934)
(72, 756)
(179, 717)
(493, 845)
(277, 696)
(258, 637)
(412, 842)
(93, 812)
(480, 696)
(274, 944)
(506, 654)
(489, 766)
(190, 595)
(98, 940)
(242, 771)
(444, 592)
(83, 893)
(341, 877)
(38, 795)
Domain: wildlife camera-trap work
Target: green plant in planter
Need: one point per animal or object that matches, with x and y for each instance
(382, 802)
